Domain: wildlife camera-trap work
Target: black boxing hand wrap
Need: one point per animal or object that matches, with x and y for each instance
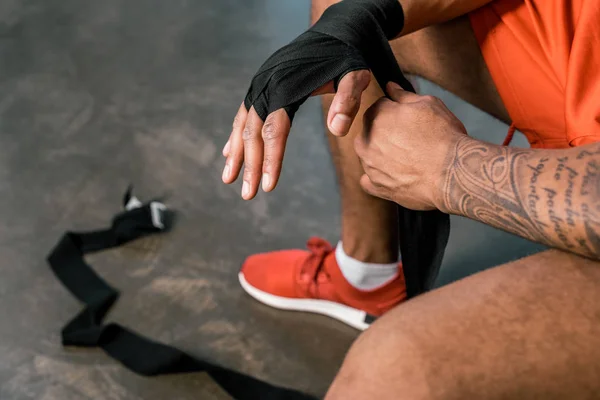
(353, 35)
(350, 36)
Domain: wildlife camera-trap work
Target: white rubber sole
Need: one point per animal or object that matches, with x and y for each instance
(351, 316)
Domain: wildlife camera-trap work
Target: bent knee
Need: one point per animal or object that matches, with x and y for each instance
(382, 364)
(459, 341)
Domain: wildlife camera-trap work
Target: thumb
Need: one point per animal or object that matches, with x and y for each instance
(399, 95)
(346, 102)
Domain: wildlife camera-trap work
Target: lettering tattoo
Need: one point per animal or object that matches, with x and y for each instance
(548, 196)
(588, 152)
(592, 175)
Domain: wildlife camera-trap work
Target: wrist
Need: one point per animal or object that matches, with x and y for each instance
(366, 26)
(389, 14)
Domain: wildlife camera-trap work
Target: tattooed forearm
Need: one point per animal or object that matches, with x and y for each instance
(548, 196)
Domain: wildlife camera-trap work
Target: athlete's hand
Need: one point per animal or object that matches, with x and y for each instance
(406, 147)
(260, 146)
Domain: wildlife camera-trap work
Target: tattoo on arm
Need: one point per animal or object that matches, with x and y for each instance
(548, 196)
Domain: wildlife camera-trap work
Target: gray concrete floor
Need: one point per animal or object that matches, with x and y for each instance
(97, 94)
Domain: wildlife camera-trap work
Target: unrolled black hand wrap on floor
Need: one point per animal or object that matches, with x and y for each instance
(353, 35)
(137, 353)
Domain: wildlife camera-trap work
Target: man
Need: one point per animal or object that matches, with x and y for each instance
(525, 329)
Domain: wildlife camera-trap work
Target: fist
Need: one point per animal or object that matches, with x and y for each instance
(407, 147)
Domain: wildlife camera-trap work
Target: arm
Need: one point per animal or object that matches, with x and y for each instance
(345, 43)
(420, 14)
(548, 196)
(416, 153)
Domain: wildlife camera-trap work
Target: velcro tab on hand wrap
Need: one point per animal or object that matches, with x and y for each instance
(350, 36)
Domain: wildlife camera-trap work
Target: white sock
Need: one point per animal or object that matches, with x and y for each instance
(362, 275)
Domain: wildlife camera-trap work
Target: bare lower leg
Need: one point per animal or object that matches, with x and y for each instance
(369, 224)
(448, 55)
(528, 329)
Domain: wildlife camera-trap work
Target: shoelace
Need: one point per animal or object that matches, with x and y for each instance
(319, 249)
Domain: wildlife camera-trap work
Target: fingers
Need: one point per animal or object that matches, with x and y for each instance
(372, 189)
(399, 95)
(253, 154)
(362, 140)
(346, 102)
(234, 149)
(274, 134)
(226, 148)
(258, 147)
(368, 186)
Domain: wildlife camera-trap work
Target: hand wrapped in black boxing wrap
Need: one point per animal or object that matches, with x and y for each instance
(351, 35)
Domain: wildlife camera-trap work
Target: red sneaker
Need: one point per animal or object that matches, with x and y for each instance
(312, 281)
